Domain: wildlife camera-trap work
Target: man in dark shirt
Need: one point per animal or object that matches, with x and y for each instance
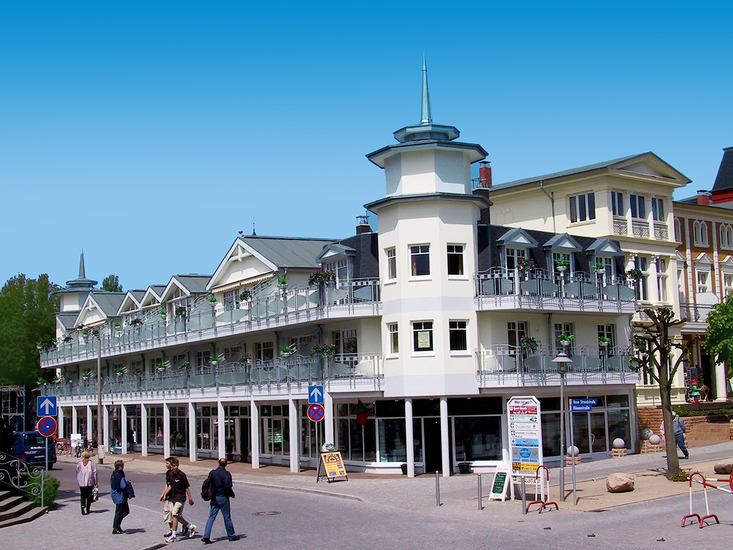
(176, 492)
(222, 482)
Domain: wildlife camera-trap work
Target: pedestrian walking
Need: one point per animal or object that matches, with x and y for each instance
(679, 433)
(221, 479)
(175, 493)
(167, 513)
(119, 496)
(86, 477)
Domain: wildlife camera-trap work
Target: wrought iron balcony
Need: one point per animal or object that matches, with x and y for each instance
(502, 289)
(280, 376)
(505, 365)
(206, 321)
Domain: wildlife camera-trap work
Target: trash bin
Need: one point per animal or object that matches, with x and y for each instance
(404, 469)
(464, 467)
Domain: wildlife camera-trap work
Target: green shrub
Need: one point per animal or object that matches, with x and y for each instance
(682, 475)
(50, 490)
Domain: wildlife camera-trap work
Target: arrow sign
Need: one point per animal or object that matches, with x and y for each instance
(315, 395)
(46, 406)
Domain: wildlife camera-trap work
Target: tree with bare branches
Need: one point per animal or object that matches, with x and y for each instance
(657, 358)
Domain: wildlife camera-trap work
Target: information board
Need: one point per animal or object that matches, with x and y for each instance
(525, 434)
(333, 466)
(499, 485)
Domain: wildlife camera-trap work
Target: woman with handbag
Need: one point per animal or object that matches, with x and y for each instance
(119, 496)
(86, 477)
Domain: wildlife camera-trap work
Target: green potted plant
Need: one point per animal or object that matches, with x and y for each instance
(185, 366)
(321, 277)
(213, 299)
(116, 324)
(119, 371)
(529, 344)
(562, 264)
(163, 312)
(282, 281)
(160, 366)
(245, 295)
(525, 265)
(604, 341)
(245, 359)
(599, 267)
(181, 311)
(565, 339)
(634, 274)
(137, 371)
(286, 351)
(136, 322)
(86, 375)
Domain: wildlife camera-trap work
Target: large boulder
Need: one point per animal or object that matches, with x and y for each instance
(725, 467)
(620, 483)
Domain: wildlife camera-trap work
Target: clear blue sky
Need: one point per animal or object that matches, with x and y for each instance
(149, 133)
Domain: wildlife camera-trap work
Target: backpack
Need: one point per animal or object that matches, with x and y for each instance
(207, 489)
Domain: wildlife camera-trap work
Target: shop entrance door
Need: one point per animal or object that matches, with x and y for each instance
(431, 440)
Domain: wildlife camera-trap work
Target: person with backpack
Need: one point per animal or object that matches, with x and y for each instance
(119, 494)
(220, 481)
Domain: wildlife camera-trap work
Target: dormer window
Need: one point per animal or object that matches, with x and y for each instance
(512, 255)
(340, 268)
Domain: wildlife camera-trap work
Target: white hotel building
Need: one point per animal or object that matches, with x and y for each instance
(427, 317)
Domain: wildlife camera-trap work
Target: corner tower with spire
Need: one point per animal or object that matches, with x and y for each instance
(73, 296)
(428, 255)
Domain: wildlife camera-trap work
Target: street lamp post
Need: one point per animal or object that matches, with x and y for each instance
(563, 363)
(100, 446)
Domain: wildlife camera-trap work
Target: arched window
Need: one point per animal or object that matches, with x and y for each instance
(700, 233)
(677, 230)
(726, 236)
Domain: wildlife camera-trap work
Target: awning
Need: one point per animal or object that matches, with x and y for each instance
(243, 283)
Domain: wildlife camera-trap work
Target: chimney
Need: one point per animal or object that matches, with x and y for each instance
(703, 198)
(484, 174)
(362, 225)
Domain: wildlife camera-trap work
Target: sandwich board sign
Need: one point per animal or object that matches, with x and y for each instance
(525, 434)
(500, 484)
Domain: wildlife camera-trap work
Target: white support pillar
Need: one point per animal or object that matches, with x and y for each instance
(254, 422)
(105, 428)
(123, 427)
(143, 429)
(61, 422)
(444, 439)
(294, 420)
(221, 430)
(328, 431)
(166, 430)
(409, 439)
(652, 284)
(74, 421)
(90, 421)
(193, 452)
(721, 382)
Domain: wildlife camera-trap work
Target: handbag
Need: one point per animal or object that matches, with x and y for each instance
(129, 491)
(95, 494)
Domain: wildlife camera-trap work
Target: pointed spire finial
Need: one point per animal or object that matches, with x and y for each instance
(425, 115)
(82, 271)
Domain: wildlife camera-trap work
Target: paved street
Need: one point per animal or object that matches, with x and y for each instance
(279, 510)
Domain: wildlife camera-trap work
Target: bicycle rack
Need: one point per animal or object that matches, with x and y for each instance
(538, 489)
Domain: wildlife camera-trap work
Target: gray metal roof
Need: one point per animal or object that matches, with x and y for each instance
(564, 173)
(288, 251)
(109, 302)
(67, 319)
(193, 283)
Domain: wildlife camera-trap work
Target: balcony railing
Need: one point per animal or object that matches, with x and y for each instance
(640, 229)
(695, 313)
(503, 364)
(620, 227)
(207, 320)
(280, 375)
(510, 289)
(661, 231)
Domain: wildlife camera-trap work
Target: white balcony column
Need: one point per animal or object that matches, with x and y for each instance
(61, 422)
(652, 282)
(254, 444)
(221, 430)
(105, 429)
(630, 261)
(294, 420)
(409, 438)
(143, 429)
(166, 430)
(90, 422)
(721, 382)
(629, 221)
(328, 432)
(123, 427)
(650, 218)
(193, 455)
(74, 420)
(444, 439)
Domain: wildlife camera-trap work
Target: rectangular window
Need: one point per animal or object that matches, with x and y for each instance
(341, 269)
(608, 331)
(702, 281)
(394, 343)
(455, 259)
(727, 283)
(422, 336)
(565, 329)
(662, 279)
(582, 207)
(458, 335)
(264, 351)
(203, 358)
(638, 208)
(640, 263)
(658, 210)
(617, 203)
(515, 332)
(512, 255)
(560, 255)
(420, 260)
(391, 264)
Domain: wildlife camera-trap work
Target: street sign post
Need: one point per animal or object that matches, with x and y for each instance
(46, 405)
(315, 395)
(46, 427)
(577, 405)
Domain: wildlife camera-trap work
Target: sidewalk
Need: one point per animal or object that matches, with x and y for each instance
(462, 490)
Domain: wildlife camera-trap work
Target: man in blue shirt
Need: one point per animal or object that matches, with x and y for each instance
(679, 433)
(221, 479)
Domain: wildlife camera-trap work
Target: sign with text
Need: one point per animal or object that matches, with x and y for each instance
(334, 466)
(499, 485)
(525, 434)
(583, 405)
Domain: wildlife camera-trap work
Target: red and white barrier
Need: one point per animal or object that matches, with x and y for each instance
(539, 489)
(706, 483)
